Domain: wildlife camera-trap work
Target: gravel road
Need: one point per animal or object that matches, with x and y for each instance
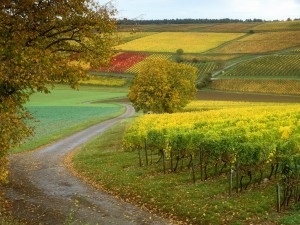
(43, 191)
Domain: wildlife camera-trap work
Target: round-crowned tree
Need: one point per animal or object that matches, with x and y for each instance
(163, 86)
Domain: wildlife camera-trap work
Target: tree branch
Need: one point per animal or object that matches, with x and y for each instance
(60, 40)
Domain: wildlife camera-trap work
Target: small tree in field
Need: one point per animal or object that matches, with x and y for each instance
(38, 41)
(163, 86)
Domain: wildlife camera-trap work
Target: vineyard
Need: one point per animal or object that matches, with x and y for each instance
(122, 61)
(272, 66)
(154, 56)
(249, 147)
(218, 27)
(162, 27)
(258, 52)
(262, 42)
(215, 162)
(230, 27)
(267, 86)
(275, 26)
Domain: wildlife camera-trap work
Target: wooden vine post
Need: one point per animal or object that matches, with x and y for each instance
(146, 152)
(278, 197)
(230, 181)
(164, 161)
(140, 157)
(237, 171)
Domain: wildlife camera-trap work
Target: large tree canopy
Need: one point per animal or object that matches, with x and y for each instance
(38, 41)
(163, 86)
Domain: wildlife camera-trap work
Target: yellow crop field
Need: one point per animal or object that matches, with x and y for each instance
(190, 42)
(262, 42)
(287, 25)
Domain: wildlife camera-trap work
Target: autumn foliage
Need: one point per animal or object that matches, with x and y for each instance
(123, 61)
(37, 38)
(163, 86)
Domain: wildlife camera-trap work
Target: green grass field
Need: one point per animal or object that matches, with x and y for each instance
(66, 111)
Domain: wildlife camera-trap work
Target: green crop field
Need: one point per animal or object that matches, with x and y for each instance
(66, 111)
(190, 42)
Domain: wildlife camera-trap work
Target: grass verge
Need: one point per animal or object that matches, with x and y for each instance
(103, 163)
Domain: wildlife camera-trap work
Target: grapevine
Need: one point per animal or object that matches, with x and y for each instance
(219, 140)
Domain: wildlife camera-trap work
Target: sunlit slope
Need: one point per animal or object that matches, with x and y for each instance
(262, 42)
(190, 42)
(281, 25)
(271, 66)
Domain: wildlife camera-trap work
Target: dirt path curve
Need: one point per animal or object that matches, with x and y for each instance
(43, 191)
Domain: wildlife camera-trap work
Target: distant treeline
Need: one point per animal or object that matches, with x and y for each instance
(184, 21)
(191, 21)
